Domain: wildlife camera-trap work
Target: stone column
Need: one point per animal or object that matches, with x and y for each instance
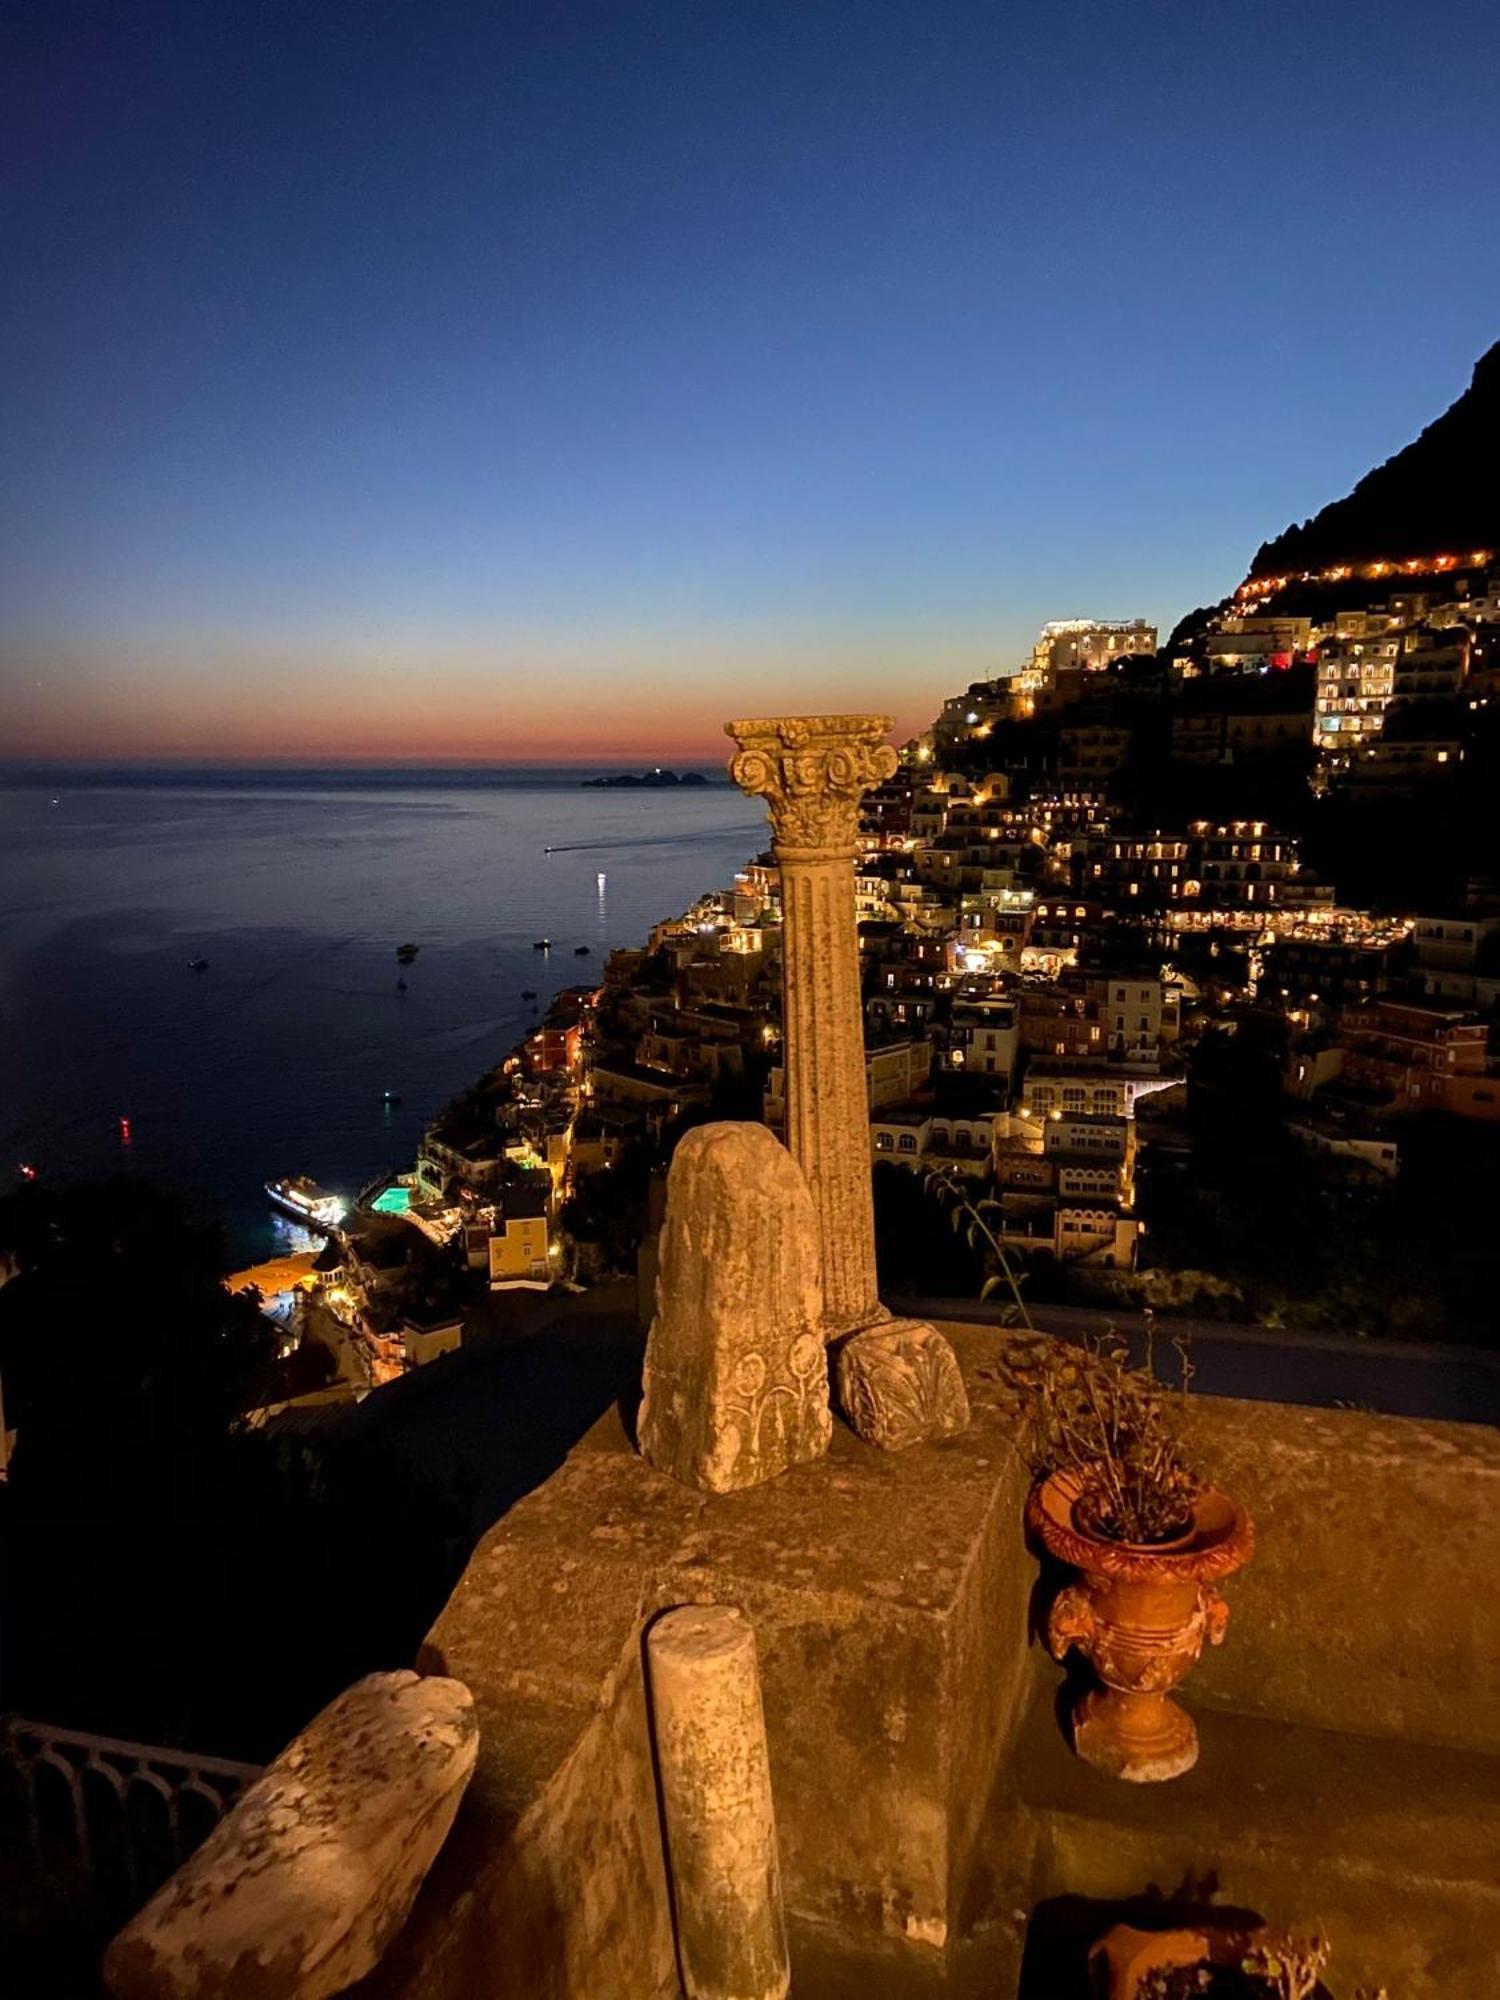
(710, 1731)
(812, 771)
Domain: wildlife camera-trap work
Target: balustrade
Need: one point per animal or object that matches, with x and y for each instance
(108, 1819)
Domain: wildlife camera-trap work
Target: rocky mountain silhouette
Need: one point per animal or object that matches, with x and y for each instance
(1441, 494)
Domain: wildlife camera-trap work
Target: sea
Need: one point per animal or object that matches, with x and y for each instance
(296, 888)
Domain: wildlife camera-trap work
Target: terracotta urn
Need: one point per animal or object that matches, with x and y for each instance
(1130, 1958)
(1139, 1615)
(1135, 1962)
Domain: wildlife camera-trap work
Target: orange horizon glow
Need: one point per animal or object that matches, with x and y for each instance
(402, 703)
(407, 745)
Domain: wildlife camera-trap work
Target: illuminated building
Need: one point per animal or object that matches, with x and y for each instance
(428, 1331)
(971, 717)
(1245, 861)
(520, 1250)
(984, 1038)
(1068, 1186)
(896, 1070)
(1092, 644)
(1422, 1058)
(1066, 1087)
(1064, 1020)
(1159, 866)
(1256, 644)
(1456, 961)
(1365, 671)
(450, 1159)
(1356, 679)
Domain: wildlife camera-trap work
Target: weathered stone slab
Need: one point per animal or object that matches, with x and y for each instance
(900, 1384)
(299, 1889)
(736, 1376)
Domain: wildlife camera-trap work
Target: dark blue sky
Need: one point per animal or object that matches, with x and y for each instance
(483, 378)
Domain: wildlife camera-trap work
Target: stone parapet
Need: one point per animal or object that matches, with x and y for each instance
(1371, 1604)
(888, 1597)
(892, 1598)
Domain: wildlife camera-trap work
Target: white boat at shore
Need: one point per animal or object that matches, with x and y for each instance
(306, 1202)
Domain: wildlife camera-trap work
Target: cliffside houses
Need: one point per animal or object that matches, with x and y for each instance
(1042, 944)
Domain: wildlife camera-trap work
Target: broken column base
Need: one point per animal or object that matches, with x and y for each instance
(899, 1384)
(715, 1778)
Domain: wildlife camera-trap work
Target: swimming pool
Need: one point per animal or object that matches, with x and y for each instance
(392, 1200)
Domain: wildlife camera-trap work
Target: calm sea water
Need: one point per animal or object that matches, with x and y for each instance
(297, 890)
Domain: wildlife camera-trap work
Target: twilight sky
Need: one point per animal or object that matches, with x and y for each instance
(528, 379)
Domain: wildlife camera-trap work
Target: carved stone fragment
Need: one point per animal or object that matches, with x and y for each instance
(298, 1890)
(736, 1376)
(900, 1383)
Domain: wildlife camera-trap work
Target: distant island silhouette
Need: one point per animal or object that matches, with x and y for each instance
(655, 778)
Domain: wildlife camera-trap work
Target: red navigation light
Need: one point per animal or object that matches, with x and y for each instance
(27, 1173)
(124, 1131)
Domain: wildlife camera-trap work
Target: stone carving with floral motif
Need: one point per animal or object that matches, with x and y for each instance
(736, 1374)
(813, 770)
(900, 1384)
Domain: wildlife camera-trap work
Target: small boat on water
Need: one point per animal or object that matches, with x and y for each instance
(527, 993)
(393, 1097)
(541, 944)
(305, 1202)
(197, 965)
(580, 951)
(406, 953)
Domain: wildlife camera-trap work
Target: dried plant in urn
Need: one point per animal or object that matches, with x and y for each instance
(1277, 1967)
(1118, 1498)
(1117, 1428)
(1222, 1964)
(1116, 1495)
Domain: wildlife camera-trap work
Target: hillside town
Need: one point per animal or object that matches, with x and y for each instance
(749, 1003)
(1057, 979)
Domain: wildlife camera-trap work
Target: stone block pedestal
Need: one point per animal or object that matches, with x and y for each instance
(887, 1592)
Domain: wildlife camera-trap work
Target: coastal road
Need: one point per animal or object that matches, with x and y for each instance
(1397, 1378)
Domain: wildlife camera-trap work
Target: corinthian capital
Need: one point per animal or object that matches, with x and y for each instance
(812, 771)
